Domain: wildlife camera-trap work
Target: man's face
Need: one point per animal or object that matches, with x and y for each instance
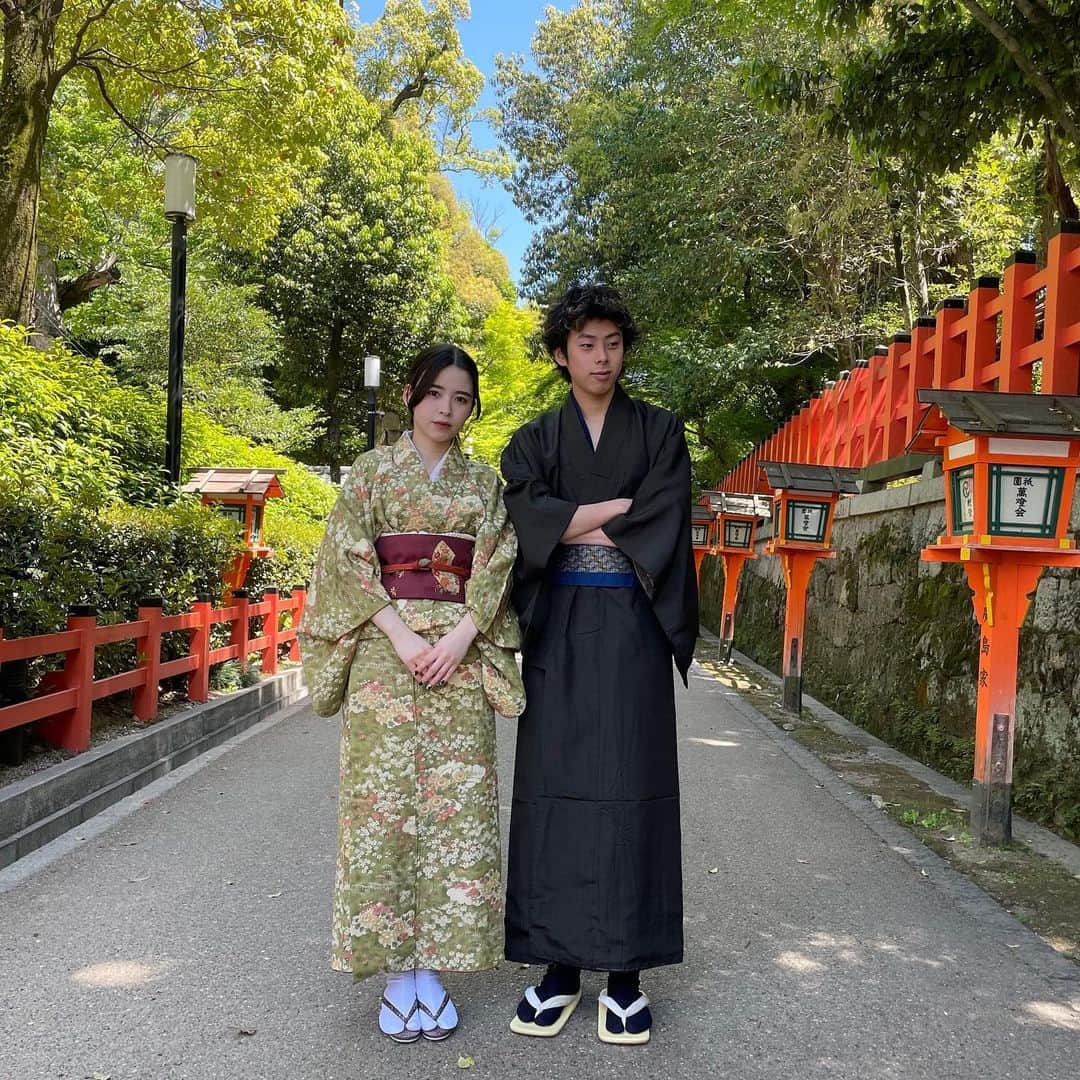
(593, 356)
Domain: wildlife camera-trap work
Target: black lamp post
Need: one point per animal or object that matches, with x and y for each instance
(179, 209)
(372, 365)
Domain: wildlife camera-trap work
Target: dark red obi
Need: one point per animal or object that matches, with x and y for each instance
(425, 566)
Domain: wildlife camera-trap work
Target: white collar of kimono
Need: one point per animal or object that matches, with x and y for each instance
(434, 474)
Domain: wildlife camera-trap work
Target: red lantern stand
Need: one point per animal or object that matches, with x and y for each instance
(702, 524)
(803, 506)
(1010, 471)
(737, 518)
(241, 495)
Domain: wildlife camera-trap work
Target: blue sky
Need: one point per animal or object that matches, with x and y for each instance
(499, 26)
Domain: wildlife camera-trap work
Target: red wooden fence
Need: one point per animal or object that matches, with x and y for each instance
(63, 706)
(993, 340)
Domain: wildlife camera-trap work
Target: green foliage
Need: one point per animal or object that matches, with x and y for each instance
(75, 448)
(68, 432)
(357, 269)
(52, 556)
(516, 384)
(411, 60)
(254, 90)
(230, 345)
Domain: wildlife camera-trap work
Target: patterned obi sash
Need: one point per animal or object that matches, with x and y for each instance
(593, 564)
(425, 566)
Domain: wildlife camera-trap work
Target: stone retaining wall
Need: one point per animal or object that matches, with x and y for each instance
(891, 644)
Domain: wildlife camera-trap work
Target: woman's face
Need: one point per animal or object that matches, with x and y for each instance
(441, 413)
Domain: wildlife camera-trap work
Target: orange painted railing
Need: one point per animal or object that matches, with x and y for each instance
(65, 698)
(993, 340)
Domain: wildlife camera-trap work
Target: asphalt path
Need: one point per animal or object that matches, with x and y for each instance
(185, 935)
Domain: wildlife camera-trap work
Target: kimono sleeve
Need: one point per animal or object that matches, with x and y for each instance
(654, 532)
(538, 516)
(346, 591)
(487, 592)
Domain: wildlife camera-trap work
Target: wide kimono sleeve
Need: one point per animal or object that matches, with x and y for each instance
(655, 534)
(346, 591)
(487, 592)
(539, 517)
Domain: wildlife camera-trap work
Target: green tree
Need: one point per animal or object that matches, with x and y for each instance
(357, 268)
(930, 84)
(251, 88)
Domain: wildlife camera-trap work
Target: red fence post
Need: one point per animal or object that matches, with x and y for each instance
(271, 630)
(1017, 323)
(149, 659)
(241, 627)
(1061, 358)
(199, 679)
(71, 730)
(299, 595)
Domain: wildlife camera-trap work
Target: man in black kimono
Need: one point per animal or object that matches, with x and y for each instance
(599, 493)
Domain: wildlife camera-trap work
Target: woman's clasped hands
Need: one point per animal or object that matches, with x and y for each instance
(432, 665)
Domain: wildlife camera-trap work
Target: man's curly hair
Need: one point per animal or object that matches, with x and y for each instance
(577, 306)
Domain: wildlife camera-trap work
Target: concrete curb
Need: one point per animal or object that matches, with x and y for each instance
(40, 808)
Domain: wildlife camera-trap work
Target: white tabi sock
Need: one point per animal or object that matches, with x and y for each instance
(430, 991)
(401, 993)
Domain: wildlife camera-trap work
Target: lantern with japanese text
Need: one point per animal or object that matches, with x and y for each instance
(803, 507)
(1010, 465)
(737, 518)
(702, 525)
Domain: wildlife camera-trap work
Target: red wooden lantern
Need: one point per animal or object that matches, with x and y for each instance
(737, 518)
(240, 495)
(1010, 465)
(803, 506)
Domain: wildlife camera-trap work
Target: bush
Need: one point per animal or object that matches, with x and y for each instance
(52, 557)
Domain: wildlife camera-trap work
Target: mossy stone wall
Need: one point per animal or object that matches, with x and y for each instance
(891, 644)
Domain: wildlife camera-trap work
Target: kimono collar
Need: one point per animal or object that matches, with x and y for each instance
(604, 457)
(450, 466)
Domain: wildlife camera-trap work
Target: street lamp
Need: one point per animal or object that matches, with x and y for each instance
(179, 209)
(372, 372)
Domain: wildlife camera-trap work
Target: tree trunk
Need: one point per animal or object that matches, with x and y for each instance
(25, 97)
(1056, 185)
(335, 366)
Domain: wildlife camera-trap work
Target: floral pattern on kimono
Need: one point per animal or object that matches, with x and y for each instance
(418, 880)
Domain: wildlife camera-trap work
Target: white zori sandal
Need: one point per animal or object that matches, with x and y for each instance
(623, 1038)
(567, 1002)
(438, 1032)
(406, 1034)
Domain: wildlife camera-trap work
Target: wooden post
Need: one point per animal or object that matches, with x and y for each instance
(71, 730)
(241, 626)
(1001, 597)
(149, 659)
(798, 566)
(299, 595)
(733, 565)
(199, 679)
(271, 630)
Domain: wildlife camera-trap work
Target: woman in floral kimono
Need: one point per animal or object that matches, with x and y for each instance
(409, 628)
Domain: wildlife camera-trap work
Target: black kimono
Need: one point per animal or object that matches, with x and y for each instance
(595, 874)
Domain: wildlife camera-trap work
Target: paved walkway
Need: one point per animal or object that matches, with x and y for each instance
(189, 939)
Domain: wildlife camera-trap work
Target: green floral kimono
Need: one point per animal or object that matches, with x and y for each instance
(418, 872)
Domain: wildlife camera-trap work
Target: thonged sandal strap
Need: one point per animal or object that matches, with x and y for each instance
(556, 1001)
(397, 1012)
(633, 1009)
(439, 1011)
